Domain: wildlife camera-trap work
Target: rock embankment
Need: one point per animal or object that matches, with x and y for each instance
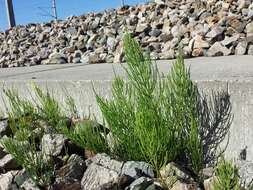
(199, 27)
(76, 168)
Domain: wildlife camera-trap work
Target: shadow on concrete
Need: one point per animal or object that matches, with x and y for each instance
(216, 118)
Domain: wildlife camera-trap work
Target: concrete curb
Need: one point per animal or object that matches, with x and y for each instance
(234, 74)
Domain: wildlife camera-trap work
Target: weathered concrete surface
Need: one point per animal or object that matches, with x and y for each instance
(233, 73)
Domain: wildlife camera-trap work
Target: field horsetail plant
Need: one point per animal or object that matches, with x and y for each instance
(153, 118)
(23, 121)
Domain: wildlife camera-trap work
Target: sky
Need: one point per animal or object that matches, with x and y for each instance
(34, 11)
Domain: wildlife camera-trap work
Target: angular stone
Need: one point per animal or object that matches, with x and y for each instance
(4, 129)
(241, 48)
(70, 49)
(29, 185)
(71, 30)
(140, 183)
(142, 27)
(178, 31)
(91, 58)
(207, 172)
(161, 2)
(8, 163)
(52, 144)
(66, 184)
(105, 161)
(173, 169)
(216, 33)
(57, 58)
(230, 40)
(209, 183)
(97, 177)
(155, 32)
(249, 29)
(183, 186)
(198, 52)
(154, 186)
(21, 177)
(111, 43)
(6, 180)
(56, 55)
(237, 25)
(250, 49)
(200, 43)
(166, 26)
(137, 169)
(118, 56)
(246, 171)
(74, 168)
(169, 54)
(217, 49)
(2, 152)
(92, 40)
(78, 54)
(76, 60)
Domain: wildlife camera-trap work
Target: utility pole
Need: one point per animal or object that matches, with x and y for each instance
(10, 13)
(122, 3)
(54, 10)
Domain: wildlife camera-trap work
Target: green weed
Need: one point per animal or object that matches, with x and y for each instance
(152, 118)
(228, 177)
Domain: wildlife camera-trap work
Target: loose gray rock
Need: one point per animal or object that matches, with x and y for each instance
(29, 185)
(209, 183)
(250, 50)
(141, 27)
(111, 43)
(4, 129)
(118, 58)
(136, 169)
(181, 185)
(200, 43)
(207, 172)
(8, 163)
(66, 184)
(105, 161)
(172, 169)
(2, 153)
(140, 183)
(230, 40)
(154, 186)
(6, 180)
(241, 48)
(57, 58)
(97, 177)
(21, 177)
(155, 32)
(217, 49)
(90, 58)
(249, 29)
(52, 144)
(246, 171)
(216, 33)
(74, 168)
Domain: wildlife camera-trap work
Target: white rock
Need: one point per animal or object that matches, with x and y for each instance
(96, 177)
(6, 180)
(52, 144)
(217, 49)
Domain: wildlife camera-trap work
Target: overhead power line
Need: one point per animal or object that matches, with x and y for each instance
(44, 11)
